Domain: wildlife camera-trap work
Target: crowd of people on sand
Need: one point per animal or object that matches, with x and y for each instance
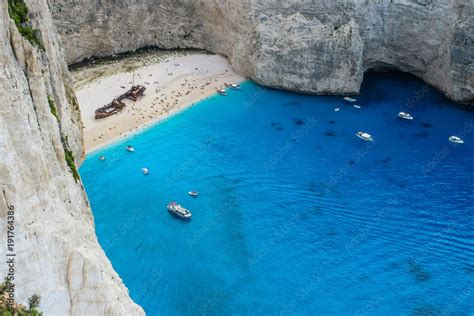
(164, 101)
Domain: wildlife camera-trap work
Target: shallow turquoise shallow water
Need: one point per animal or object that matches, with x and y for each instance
(296, 215)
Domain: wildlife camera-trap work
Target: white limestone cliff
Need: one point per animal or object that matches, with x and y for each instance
(57, 253)
(313, 46)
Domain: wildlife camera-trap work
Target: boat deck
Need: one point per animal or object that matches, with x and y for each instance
(117, 104)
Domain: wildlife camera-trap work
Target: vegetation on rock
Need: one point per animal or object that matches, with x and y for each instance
(19, 13)
(9, 308)
(70, 159)
(52, 107)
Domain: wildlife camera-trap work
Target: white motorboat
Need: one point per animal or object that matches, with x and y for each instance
(336, 109)
(176, 209)
(129, 148)
(405, 116)
(193, 193)
(145, 171)
(222, 92)
(364, 136)
(357, 106)
(456, 140)
(101, 158)
(349, 99)
(234, 86)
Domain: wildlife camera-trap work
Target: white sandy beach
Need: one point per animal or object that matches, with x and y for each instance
(171, 85)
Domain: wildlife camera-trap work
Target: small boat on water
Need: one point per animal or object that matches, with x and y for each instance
(456, 140)
(101, 158)
(364, 136)
(193, 193)
(233, 86)
(145, 171)
(336, 109)
(349, 99)
(222, 92)
(405, 116)
(357, 106)
(130, 148)
(112, 108)
(176, 209)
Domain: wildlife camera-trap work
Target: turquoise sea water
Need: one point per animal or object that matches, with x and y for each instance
(296, 215)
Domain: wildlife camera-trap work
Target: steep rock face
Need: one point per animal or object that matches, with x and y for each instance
(313, 46)
(57, 253)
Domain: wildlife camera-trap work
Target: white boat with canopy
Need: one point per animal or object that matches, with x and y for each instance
(405, 116)
(176, 209)
(456, 140)
(364, 136)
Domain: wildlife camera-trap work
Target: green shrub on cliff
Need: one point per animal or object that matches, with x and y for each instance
(9, 308)
(19, 13)
(70, 159)
(52, 107)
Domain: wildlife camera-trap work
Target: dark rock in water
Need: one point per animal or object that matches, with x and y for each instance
(331, 122)
(299, 122)
(291, 103)
(363, 278)
(330, 133)
(332, 232)
(418, 272)
(279, 128)
(469, 270)
(425, 311)
(312, 186)
(317, 210)
(421, 135)
(426, 125)
(351, 162)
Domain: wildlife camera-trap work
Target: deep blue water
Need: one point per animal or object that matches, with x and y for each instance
(296, 215)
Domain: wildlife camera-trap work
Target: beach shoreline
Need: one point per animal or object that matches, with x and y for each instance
(175, 81)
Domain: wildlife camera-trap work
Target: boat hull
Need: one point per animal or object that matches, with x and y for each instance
(177, 215)
(367, 138)
(110, 109)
